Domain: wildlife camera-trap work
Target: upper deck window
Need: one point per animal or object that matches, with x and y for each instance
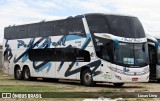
(123, 26)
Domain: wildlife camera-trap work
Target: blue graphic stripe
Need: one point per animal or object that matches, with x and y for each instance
(88, 39)
(156, 44)
(73, 37)
(42, 66)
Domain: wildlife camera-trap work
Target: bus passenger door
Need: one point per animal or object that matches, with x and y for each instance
(152, 61)
(106, 73)
(105, 53)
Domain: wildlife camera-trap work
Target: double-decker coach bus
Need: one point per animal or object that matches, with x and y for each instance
(90, 48)
(154, 56)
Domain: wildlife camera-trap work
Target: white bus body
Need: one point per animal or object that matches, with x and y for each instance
(86, 53)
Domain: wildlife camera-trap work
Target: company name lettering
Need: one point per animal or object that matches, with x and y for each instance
(47, 42)
(131, 40)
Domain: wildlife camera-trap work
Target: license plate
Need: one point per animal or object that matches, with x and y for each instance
(134, 79)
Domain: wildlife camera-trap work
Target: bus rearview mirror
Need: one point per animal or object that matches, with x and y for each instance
(116, 43)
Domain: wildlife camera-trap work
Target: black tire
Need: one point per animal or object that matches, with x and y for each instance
(86, 78)
(26, 73)
(118, 84)
(158, 80)
(18, 73)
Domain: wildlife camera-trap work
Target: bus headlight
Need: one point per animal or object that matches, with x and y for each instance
(116, 70)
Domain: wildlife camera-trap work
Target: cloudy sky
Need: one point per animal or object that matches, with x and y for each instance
(28, 11)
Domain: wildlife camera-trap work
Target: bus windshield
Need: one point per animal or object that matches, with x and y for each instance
(131, 54)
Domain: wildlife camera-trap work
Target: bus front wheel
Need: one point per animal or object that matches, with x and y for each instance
(86, 78)
(118, 84)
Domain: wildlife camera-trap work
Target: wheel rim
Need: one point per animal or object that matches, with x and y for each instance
(18, 73)
(88, 78)
(27, 74)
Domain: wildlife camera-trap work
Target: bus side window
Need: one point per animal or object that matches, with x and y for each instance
(46, 29)
(82, 55)
(106, 52)
(60, 27)
(10, 33)
(59, 54)
(97, 24)
(76, 27)
(70, 54)
(33, 30)
(22, 32)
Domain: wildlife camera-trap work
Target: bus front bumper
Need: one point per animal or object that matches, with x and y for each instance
(117, 78)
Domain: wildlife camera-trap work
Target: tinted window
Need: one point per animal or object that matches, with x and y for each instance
(60, 27)
(21, 32)
(10, 33)
(97, 24)
(82, 55)
(33, 30)
(64, 54)
(123, 26)
(41, 54)
(59, 54)
(46, 28)
(43, 29)
(105, 51)
(75, 26)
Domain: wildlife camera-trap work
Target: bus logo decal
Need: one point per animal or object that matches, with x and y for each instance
(31, 45)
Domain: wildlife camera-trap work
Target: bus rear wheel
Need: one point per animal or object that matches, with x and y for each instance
(26, 73)
(118, 84)
(18, 73)
(86, 78)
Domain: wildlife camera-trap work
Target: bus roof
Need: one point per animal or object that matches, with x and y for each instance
(77, 16)
(105, 14)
